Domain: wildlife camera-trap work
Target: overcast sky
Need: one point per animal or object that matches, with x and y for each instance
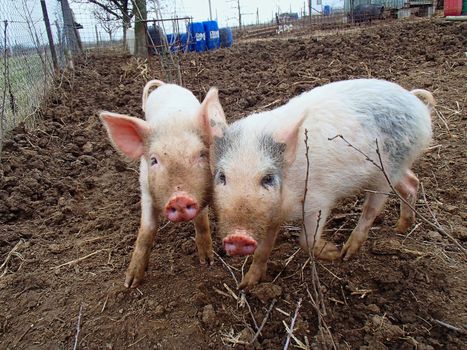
(227, 11)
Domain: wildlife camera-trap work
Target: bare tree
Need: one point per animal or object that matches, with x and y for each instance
(121, 10)
(108, 22)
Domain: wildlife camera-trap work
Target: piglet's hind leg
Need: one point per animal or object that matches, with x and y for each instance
(407, 187)
(373, 205)
(322, 249)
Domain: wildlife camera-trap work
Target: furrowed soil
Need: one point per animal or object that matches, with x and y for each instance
(69, 213)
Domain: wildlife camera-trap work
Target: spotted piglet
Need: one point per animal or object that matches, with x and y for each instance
(172, 145)
(260, 166)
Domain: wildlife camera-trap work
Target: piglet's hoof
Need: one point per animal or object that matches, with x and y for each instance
(403, 226)
(134, 275)
(252, 278)
(205, 254)
(350, 248)
(206, 258)
(325, 250)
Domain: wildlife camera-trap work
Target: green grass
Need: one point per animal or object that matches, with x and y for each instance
(28, 82)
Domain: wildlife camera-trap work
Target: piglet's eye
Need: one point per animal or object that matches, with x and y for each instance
(268, 180)
(153, 161)
(221, 178)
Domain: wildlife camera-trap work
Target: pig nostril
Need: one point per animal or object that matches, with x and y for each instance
(172, 210)
(190, 206)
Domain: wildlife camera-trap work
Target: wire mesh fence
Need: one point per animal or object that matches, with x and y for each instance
(34, 44)
(38, 38)
(26, 65)
(350, 14)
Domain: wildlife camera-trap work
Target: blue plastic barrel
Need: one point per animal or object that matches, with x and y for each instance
(172, 41)
(226, 37)
(212, 35)
(197, 37)
(183, 42)
(327, 10)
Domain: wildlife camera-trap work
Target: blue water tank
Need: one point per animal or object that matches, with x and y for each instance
(226, 37)
(183, 42)
(197, 39)
(212, 35)
(327, 10)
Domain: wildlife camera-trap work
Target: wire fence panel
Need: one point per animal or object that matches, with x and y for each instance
(26, 67)
(28, 62)
(324, 19)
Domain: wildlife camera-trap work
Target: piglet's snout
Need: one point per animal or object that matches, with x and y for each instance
(181, 207)
(239, 243)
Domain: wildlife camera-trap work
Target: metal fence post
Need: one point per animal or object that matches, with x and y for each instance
(49, 34)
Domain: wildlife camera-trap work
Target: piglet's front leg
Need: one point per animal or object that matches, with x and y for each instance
(258, 267)
(143, 246)
(140, 257)
(203, 238)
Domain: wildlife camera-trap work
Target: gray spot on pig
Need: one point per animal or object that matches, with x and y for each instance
(223, 145)
(395, 127)
(272, 150)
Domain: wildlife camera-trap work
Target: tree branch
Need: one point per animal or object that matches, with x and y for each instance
(106, 8)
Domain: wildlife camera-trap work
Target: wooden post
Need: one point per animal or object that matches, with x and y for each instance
(72, 40)
(97, 36)
(140, 12)
(49, 34)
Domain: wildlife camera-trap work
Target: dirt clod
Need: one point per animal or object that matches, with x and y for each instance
(209, 315)
(265, 292)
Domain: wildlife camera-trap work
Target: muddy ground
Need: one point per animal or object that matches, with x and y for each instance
(65, 194)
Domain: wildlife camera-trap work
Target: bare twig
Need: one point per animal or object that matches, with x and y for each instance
(292, 324)
(270, 104)
(443, 119)
(12, 252)
(427, 205)
(287, 262)
(411, 231)
(228, 268)
(264, 322)
(243, 297)
(318, 299)
(136, 342)
(31, 326)
(232, 293)
(242, 293)
(78, 327)
(78, 260)
(449, 326)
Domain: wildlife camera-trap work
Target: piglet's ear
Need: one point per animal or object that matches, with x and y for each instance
(128, 134)
(211, 116)
(290, 135)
